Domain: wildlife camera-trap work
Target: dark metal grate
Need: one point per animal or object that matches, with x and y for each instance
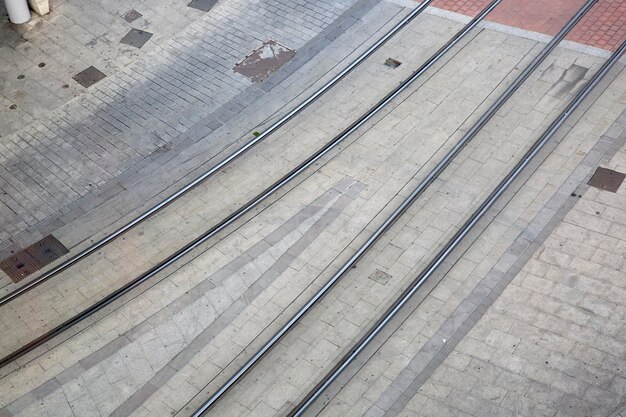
(132, 15)
(19, 266)
(607, 179)
(89, 76)
(136, 38)
(27, 261)
(47, 250)
(204, 5)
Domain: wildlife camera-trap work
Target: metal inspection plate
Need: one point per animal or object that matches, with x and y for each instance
(132, 15)
(265, 60)
(204, 5)
(380, 276)
(136, 38)
(607, 179)
(19, 265)
(89, 77)
(47, 250)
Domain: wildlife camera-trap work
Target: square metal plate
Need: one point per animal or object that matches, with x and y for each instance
(132, 15)
(204, 5)
(607, 179)
(264, 60)
(89, 77)
(19, 265)
(136, 38)
(380, 276)
(47, 250)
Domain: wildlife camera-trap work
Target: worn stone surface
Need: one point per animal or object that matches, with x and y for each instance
(163, 348)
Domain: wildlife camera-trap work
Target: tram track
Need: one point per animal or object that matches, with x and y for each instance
(440, 167)
(255, 202)
(456, 240)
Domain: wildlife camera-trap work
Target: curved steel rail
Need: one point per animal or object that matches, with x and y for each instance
(123, 229)
(458, 237)
(228, 220)
(489, 113)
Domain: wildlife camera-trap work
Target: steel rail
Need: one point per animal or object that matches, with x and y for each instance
(458, 237)
(428, 64)
(436, 171)
(243, 210)
(275, 126)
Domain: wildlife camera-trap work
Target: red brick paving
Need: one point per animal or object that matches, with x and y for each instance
(604, 26)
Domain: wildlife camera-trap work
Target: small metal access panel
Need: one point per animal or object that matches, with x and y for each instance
(24, 262)
(19, 265)
(136, 38)
(132, 15)
(89, 76)
(607, 179)
(204, 5)
(264, 60)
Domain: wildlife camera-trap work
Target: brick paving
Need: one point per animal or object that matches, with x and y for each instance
(603, 27)
(61, 160)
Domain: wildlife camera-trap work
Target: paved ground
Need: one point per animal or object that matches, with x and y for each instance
(529, 321)
(604, 27)
(168, 100)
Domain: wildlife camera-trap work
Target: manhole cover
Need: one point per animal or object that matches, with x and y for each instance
(89, 77)
(47, 250)
(204, 5)
(607, 179)
(136, 38)
(19, 266)
(264, 61)
(132, 15)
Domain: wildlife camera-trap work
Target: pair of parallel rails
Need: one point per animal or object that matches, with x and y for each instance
(439, 258)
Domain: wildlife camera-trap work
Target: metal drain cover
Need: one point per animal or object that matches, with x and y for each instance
(380, 276)
(47, 250)
(132, 15)
(204, 5)
(19, 266)
(607, 179)
(136, 38)
(26, 261)
(89, 77)
(264, 60)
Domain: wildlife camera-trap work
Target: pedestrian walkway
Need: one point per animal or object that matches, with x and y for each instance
(169, 99)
